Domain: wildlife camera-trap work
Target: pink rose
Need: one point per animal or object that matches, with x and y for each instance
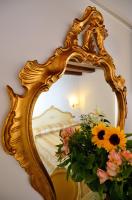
(112, 166)
(115, 157)
(67, 132)
(65, 140)
(70, 130)
(63, 133)
(66, 149)
(65, 145)
(111, 172)
(127, 155)
(112, 169)
(103, 176)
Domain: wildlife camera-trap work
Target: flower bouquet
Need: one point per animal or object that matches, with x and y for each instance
(98, 154)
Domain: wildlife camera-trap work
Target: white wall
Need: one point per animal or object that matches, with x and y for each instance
(91, 91)
(97, 94)
(120, 8)
(59, 95)
(32, 29)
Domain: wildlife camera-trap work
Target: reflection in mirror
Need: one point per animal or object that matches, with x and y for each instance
(74, 94)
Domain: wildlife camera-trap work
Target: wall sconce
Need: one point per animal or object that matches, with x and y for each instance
(74, 102)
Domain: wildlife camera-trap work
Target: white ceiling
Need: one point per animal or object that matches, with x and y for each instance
(121, 9)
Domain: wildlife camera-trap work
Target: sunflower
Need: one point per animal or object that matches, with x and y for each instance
(98, 134)
(114, 138)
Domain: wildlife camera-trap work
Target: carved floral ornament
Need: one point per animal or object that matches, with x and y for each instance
(17, 137)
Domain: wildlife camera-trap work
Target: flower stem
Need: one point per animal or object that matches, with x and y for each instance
(107, 196)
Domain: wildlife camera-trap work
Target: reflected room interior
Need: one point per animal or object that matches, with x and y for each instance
(80, 91)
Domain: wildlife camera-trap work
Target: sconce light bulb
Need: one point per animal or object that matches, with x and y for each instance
(74, 102)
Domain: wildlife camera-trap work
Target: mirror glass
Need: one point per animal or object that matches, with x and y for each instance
(77, 92)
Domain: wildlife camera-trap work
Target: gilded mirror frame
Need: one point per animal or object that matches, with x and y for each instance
(17, 137)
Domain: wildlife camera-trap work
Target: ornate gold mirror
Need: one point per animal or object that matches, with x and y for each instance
(88, 66)
(76, 93)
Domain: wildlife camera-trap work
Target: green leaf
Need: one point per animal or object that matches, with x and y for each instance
(91, 159)
(129, 193)
(128, 134)
(68, 171)
(127, 172)
(105, 120)
(64, 163)
(101, 190)
(129, 144)
(93, 183)
(116, 191)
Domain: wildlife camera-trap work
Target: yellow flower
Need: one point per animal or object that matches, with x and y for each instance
(114, 138)
(98, 134)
